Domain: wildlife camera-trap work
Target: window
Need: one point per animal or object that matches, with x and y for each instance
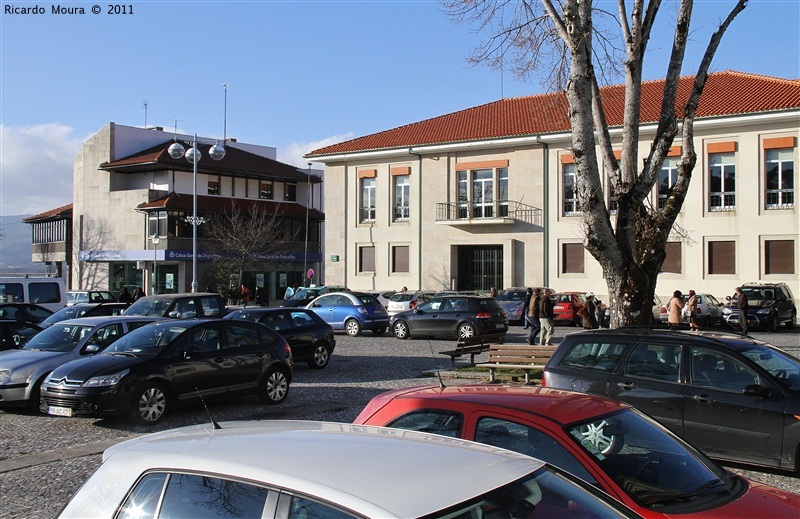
(595, 356)
(483, 191)
(241, 336)
(446, 423)
(213, 187)
(266, 192)
(666, 179)
(400, 258)
(367, 212)
(570, 190)
(780, 178)
(366, 259)
(721, 257)
(463, 197)
(654, 361)
(290, 192)
(157, 224)
(502, 191)
(304, 508)
(211, 306)
(717, 370)
(572, 258)
(673, 262)
(779, 257)
(722, 185)
(401, 197)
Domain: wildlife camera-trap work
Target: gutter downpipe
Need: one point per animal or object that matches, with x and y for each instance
(419, 224)
(546, 209)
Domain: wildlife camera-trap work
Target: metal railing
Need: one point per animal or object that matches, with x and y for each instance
(469, 211)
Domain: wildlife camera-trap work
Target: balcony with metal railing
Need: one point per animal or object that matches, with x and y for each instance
(504, 212)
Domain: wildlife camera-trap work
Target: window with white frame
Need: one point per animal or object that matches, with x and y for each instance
(483, 191)
(463, 194)
(266, 191)
(570, 190)
(502, 191)
(666, 179)
(402, 198)
(367, 206)
(157, 224)
(780, 178)
(722, 181)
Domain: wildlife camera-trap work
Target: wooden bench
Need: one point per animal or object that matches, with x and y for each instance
(517, 356)
(473, 346)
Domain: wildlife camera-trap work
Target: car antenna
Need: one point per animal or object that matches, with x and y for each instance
(214, 422)
(438, 374)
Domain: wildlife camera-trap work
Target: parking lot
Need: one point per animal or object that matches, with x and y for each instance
(43, 459)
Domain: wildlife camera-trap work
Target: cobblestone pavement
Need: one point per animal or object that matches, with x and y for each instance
(43, 459)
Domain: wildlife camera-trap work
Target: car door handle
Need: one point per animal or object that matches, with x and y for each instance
(626, 385)
(703, 399)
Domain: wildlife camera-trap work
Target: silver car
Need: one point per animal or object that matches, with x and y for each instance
(294, 469)
(405, 301)
(709, 310)
(22, 371)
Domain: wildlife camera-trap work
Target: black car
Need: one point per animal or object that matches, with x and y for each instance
(735, 398)
(458, 316)
(770, 304)
(150, 370)
(305, 295)
(85, 310)
(201, 305)
(309, 336)
(14, 334)
(26, 312)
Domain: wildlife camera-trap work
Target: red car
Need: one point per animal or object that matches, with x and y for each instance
(566, 307)
(607, 443)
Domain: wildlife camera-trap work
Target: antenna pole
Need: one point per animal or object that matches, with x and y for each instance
(225, 115)
(144, 105)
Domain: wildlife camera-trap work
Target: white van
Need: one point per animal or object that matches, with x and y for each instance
(49, 292)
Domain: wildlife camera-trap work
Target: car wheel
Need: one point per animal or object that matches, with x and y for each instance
(149, 404)
(593, 434)
(36, 396)
(320, 357)
(793, 321)
(401, 330)
(353, 328)
(274, 387)
(466, 330)
(775, 324)
(379, 331)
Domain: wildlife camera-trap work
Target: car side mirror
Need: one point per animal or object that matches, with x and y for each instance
(92, 348)
(175, 314)
(757, 390)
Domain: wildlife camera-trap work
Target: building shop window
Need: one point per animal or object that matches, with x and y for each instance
(722, 182)
(666, 179)
(673, 262)
(267, 191)
(402, 198)
(571, 206)
(779, 257)
(780, 178)
(366, 259)
(572, 258)
(213, 187)
(290, 192)
(721, 257)
(400, 259)
(157, 224)
(367, 206)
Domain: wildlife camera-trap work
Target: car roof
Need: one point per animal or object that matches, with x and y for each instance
(558, 405)
(107, 319)
(730, 340)
(182, 294)
(384, 466)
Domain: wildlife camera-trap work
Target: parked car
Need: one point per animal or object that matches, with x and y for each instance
(604, 442)
(697, 384)
(709, 311)
(451, 316)
(567, 305)
(404, 301)
(25, 312)
(201, 305)
(273, 469)
(22, 371)
(14, 334)
(351, 312)
(512, 300)
(171, 362)
(443, 293)
(305, 295)
(309, 336)
(47, 292)
(89, 296)
(770, 305)
(383, 296)
(85, 310)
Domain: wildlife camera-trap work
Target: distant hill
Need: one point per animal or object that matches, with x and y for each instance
(15, 246)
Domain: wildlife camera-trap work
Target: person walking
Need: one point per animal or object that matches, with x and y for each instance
(691, 310)
(589, 312)
(546, 316)
(125, 296)
(526, 306)
(244, 297)
(138, 293)
(533, 315)
(744, 307)
(675, 307)
(493, 292)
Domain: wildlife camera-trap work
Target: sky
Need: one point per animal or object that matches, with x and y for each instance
(300, 74)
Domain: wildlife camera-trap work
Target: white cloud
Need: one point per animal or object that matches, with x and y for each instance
(36, 167)
(293, 153)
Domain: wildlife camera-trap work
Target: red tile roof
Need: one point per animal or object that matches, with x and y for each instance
(59, 213)
(176, 201)
(726, 93)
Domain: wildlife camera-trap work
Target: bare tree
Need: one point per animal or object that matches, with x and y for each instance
(578, 55)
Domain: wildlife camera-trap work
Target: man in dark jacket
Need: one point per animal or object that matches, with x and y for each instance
(546, 317)
(526, 306)
(744, 306)
(532, 315)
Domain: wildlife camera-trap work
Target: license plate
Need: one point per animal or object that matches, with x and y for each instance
(558, 307)
(59, 411)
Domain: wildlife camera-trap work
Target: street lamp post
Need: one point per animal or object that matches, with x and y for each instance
(155, 240)
(217, 152)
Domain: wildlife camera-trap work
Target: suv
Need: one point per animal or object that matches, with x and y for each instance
(770, 305)
(735, 398)
(202, 305)
(461, 316)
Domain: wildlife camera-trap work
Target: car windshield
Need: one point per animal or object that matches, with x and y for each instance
(58, 338)
(402, 298)
(69, 312)
(77, 297)
(785, 368)
(368, 300)
(307, 293)
(147, 341)
(759, 293)
(511, 295)
(149, 307)
(654, 467)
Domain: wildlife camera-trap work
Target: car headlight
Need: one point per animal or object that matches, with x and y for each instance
(763, 311)
(5, 375)
(726, 311)
(106, 380)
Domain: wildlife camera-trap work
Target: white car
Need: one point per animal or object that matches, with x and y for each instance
(709, 310)
(405, 301)
(292, 469)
